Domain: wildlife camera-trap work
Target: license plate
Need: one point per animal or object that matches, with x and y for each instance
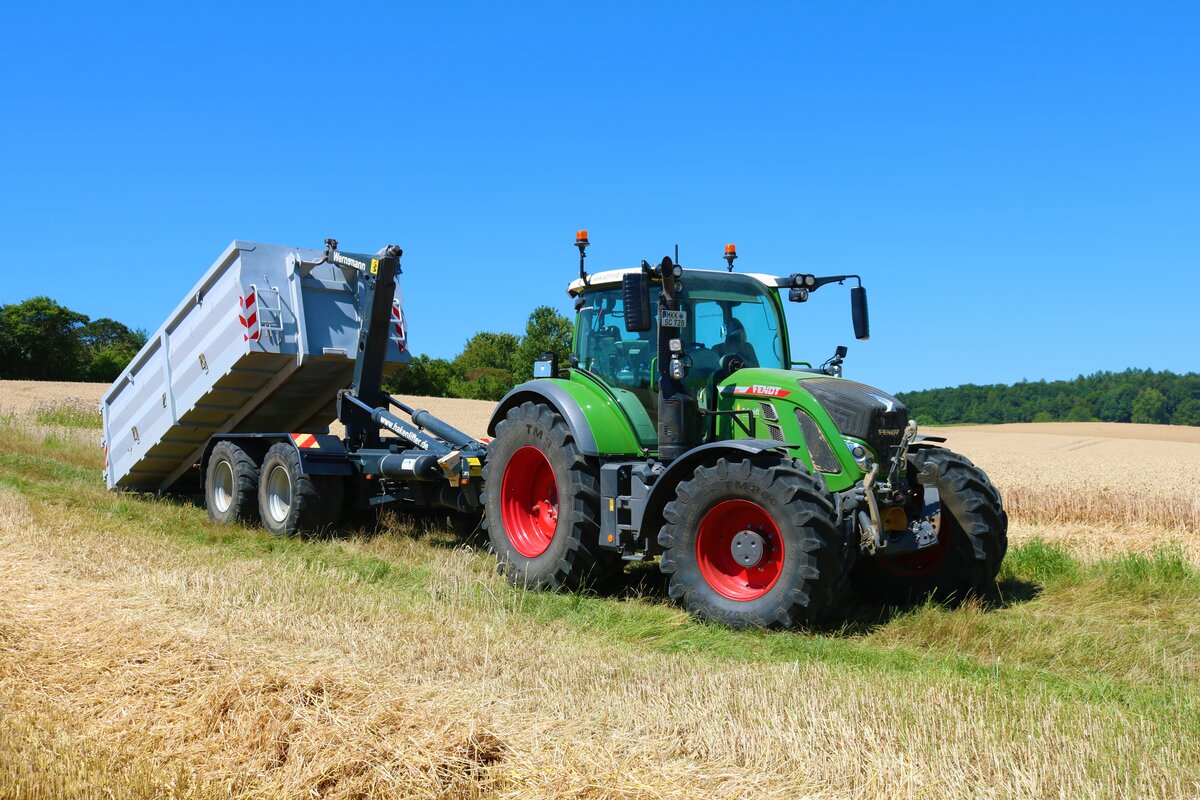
(672, 319)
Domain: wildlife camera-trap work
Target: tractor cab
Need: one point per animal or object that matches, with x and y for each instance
(730, 321)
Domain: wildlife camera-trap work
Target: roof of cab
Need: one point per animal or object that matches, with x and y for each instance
(613, 277)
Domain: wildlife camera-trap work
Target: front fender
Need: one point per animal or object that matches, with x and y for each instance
(598, 425)
(681, 468)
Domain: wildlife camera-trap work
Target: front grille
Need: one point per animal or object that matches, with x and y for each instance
(861, 411)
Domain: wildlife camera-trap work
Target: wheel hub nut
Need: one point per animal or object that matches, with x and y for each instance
(747, 548)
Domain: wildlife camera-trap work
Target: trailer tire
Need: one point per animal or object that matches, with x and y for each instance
(799, 575)
(542, 504)
(972, 540)
(231, 485)
(291, 501)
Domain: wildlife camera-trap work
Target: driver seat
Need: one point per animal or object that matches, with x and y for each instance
(735, 344)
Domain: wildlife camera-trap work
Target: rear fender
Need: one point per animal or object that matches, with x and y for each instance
(597, 424)
(320, 453)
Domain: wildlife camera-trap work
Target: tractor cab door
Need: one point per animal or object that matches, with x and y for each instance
(625, 362)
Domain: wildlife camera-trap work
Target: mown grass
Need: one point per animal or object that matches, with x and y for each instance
(1116, 635)
(1060, 612)
(71, 413)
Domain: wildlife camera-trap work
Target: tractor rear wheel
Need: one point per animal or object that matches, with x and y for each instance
(231, 485)
(972, 539)
(753, 543)
(291, 501)
(542, 502)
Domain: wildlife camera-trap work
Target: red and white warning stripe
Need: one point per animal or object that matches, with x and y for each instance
(248, 315)
(401, 334)
(305, 440)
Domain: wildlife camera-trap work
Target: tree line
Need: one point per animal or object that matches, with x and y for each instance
(1134, 395)
(41, 340)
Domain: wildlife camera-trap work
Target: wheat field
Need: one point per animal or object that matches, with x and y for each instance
(145, 652)
(1096, 488)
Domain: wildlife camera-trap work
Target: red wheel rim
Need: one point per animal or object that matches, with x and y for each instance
(714, 552)
(529, 502)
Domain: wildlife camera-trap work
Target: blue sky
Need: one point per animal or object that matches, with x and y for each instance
(1018, 184)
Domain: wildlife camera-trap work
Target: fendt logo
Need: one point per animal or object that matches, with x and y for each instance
(762, 391)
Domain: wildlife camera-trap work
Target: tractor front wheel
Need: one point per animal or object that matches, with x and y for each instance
(753, 544)
(972, 539)
(542, 502)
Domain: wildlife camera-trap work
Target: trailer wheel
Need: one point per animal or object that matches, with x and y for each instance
(542, 502)
(752, 544)
(290, 501)
(231, 485)
(972, 540)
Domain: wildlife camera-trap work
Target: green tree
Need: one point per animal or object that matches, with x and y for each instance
(1150, 406)
(41, 341)
(546, 331)
(1107, 396)
(1187, 412)
(107, 347)
(484, 367)
(1079, 413)
(424, 376)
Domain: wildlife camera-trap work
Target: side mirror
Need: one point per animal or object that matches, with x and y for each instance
(636, 291)
(858, 310)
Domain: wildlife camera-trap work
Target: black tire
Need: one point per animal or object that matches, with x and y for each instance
(466, 525)
(231, 485)
(972, 540)
(291, 502)
(556, 545)
(800, 578)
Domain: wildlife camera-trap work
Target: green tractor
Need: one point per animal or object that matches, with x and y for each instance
(682, 429)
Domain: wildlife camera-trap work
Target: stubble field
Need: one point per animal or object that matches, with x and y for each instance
(145, 652)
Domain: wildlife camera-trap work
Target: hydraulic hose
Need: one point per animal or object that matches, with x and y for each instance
(873, 506)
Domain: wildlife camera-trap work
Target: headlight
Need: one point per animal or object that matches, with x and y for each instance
(859, 453)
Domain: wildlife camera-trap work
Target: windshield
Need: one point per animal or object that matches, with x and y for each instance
(731, 315)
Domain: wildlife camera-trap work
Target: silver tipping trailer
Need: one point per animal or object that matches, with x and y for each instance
(260, 344)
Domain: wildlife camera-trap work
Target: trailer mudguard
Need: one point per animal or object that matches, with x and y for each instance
(599, 426)
(320, 453)
(678, 471)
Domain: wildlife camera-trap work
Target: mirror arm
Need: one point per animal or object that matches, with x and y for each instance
(819, 282)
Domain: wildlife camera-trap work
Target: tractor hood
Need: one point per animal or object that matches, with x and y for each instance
(860, 411)
(857, 410)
